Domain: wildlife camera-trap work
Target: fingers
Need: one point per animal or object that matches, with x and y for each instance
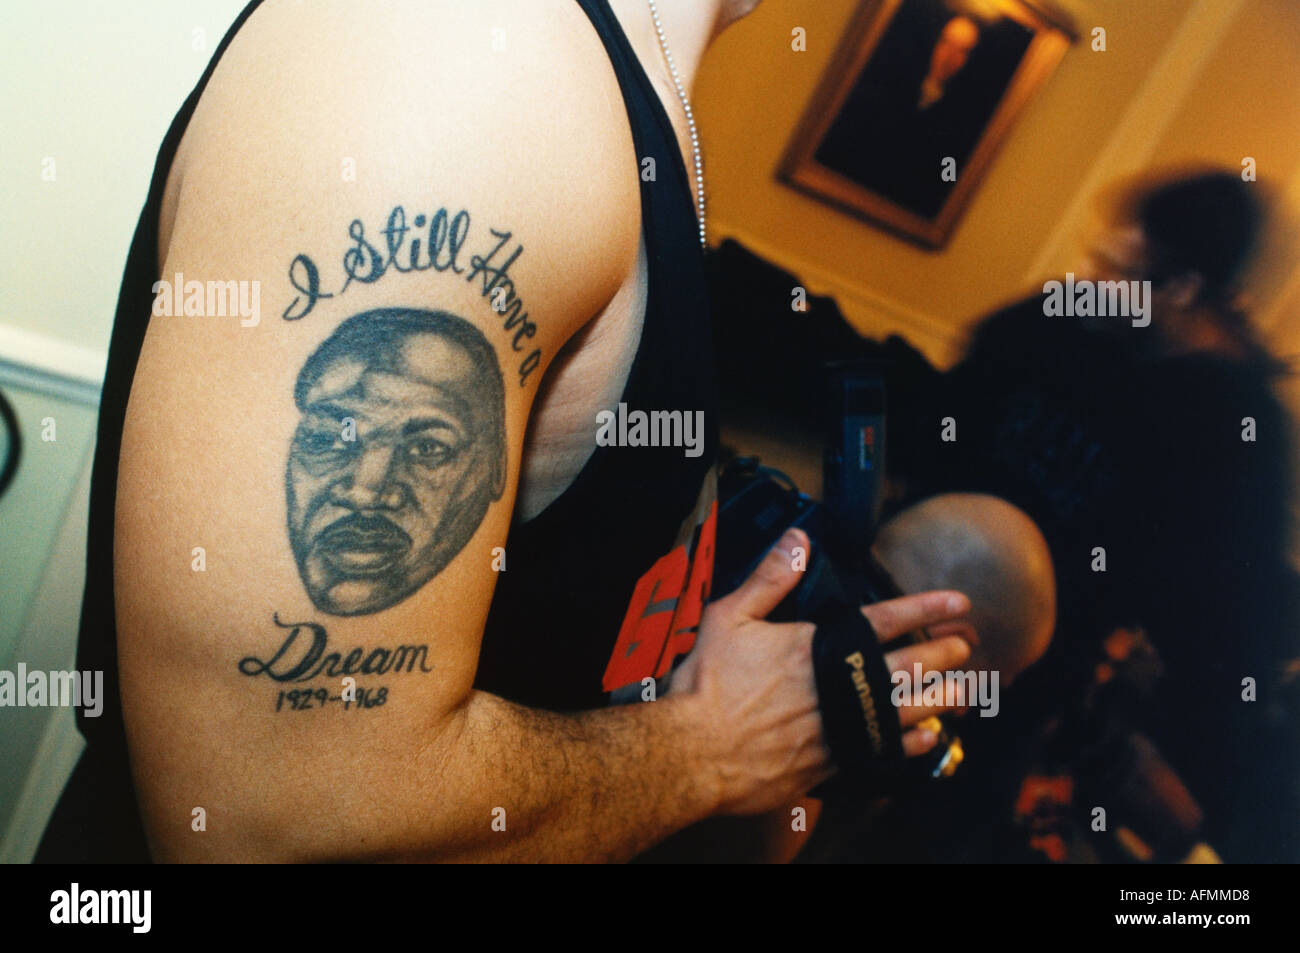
(938, 656)
(773, 578)
(918, 741)
(893, 617)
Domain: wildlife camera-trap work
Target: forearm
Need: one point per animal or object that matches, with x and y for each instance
(500, 782)
(597, 786)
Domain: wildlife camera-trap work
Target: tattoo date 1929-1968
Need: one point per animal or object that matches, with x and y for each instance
(444, 237)
(302, 699)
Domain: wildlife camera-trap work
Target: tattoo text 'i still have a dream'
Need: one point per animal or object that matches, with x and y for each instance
(438, 243)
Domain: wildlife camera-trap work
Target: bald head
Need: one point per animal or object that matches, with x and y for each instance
(990, 550)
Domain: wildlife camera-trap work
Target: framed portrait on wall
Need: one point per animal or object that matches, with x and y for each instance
(915, 103)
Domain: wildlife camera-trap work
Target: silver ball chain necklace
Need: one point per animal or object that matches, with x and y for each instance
(690, 121)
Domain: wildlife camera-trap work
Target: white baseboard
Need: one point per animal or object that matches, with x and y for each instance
(50, 365)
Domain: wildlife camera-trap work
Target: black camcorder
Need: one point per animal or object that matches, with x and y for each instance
(756, 506)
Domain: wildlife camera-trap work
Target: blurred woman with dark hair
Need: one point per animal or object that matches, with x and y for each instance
(1156, 459)
(1192, 237)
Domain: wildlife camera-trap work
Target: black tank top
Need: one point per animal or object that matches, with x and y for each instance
(601, 590)
(633, 513)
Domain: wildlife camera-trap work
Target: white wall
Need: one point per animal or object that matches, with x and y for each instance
(93, 86)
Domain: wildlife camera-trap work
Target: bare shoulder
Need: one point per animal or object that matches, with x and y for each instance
(508, 108)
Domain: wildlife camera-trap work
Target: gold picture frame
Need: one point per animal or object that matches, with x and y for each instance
(894, 134)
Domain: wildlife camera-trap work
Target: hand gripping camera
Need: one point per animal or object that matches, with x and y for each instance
(757, 504)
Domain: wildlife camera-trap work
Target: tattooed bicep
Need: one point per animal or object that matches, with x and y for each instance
(344, 464)
(308, 509)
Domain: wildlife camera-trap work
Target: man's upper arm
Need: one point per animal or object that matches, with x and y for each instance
(310, 495)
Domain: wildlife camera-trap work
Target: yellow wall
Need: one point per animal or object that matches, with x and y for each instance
(1181, 80)
(1247, 103)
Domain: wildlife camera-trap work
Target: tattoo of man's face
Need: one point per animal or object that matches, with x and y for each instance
(398, 454)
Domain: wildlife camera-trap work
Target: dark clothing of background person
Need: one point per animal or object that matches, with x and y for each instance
(1106, 441)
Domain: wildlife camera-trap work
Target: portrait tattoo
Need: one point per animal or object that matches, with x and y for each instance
(399, 452)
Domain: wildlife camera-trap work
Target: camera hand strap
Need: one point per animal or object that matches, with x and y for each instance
(859, 721)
